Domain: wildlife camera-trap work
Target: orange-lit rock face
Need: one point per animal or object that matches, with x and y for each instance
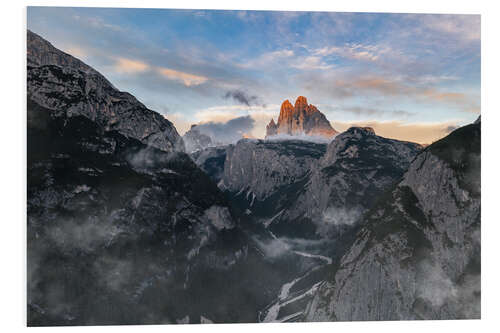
(303, 118)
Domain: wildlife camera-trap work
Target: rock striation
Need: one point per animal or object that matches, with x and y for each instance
(301, 119)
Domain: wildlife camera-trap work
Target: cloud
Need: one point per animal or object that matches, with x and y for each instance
(186, 78)
(97, 23)
(368, 111)
(267, 59)
(229, 131)
(357, 51)
(76, 51)
(129, 66)
(301, 137)
(273, 248)
(365, 86)
(414, 132)
(435, 286)
(133, 66)
(310, 63)
(241, 97)
(261, 115)
(182, 125)
(464, 27)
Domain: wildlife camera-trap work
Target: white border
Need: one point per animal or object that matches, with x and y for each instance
(13, 153)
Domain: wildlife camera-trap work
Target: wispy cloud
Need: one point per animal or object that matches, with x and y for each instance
(356, 51)
(419, 132)
(394, 67)
(267, 59)
(97, 23)
(464, 27)
(186, 78)
(130, 66)
(310, 63)
(242, 97)
(347, 87)
(370, 111)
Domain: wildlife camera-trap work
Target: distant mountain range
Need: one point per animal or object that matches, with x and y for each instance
(128, 223)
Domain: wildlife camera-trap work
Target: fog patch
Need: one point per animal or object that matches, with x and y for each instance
(435, 286)
(113, 273)
(82, 235)
(301, 137)
(334, 218)
(272, 248)
(228, 132)
(219, 217)
(148, 158)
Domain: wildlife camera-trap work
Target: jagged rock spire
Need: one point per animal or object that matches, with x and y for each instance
(299, 119)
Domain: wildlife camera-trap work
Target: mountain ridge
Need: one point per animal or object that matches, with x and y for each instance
(65, 85)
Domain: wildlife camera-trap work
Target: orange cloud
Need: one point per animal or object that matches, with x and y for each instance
(182, 125)
(424, 133)
(76, 51)
(383, 86)
(186, 78)
(129, 66)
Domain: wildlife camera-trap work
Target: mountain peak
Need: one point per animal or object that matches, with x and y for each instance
(301, 102)
(303, 118)
(286, 106)
(51, 74)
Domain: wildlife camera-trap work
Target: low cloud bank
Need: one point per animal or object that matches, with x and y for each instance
(229, 131)
(303, 137)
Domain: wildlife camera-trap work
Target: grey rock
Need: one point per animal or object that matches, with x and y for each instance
(65, 86)
(418, 254)
(327, 187)
(260, 167)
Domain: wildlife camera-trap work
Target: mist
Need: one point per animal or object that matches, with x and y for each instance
(227, 132)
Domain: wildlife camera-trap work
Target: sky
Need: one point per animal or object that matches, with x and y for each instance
(412, 77)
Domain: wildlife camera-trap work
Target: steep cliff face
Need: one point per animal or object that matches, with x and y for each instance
(65, 86)
(418, 255)
(301, 119)
(260, 167)
(120, 229)
(115, 226)
(356, 169)
(314, 190)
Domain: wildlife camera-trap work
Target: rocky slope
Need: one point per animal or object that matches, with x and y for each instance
(65, 86)
(356, 169)
(117, 228)
(127, 230)
(418, 255)
(300, 119)
(309, 189)
(121, 227)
